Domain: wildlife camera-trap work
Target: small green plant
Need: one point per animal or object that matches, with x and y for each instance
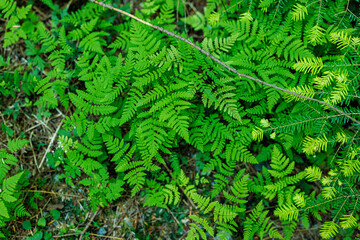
(11, 206)
(39, 233)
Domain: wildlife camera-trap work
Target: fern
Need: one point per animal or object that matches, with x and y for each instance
(257, 223)
(11, 206)
(7, 7)
(271, 113)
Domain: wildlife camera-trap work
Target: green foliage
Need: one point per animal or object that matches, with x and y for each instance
(15, 81)
(258, 223)
(154, 115)
(11, 206)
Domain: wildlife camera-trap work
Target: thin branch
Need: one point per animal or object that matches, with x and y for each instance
(222, 63)
(102, 236)
(176, 220)
(91, 234)
(88, 224)
(53, 193)
(32, 149)
(51, 143)
(66, 235)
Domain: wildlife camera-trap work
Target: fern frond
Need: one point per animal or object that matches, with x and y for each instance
(348, 221)
(343, 40)
(312, 145)
(299, 12)
(280, 164)
(47, 39)
(257, 223)
(204, 223)
(94, 42)
(287, 212)
(197, 21)
(329, 230)
(309, 65)
(9, 186)
(15, 145)
(313, 173)
(239, 190)
(316, 35)
(3, 210)
(218, 44)
(151, 133)
(246, 17)
(20, 211)
(7, 7)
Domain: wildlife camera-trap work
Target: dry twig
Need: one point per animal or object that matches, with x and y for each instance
(88, 224)
(51, 143)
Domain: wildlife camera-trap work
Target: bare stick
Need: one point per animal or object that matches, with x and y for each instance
(53, 193)
(66, 235)
(74, 234)
(88, 224)
(51, 143)
(222, 63)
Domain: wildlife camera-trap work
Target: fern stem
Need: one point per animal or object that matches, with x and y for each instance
(222, 63)
(331, 200)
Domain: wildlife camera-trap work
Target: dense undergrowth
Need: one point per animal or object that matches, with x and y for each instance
(148, 117)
